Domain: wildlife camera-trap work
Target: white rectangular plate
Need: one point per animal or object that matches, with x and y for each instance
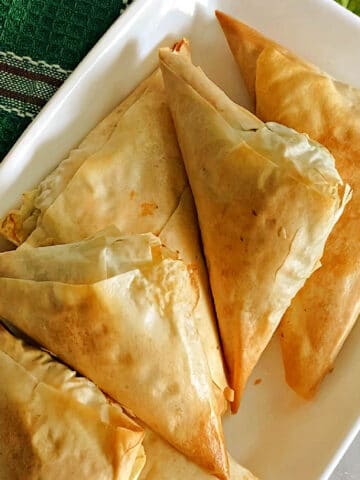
(275, 434)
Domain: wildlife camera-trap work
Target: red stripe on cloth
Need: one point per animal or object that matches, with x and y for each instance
(24, 98)
(4, 67)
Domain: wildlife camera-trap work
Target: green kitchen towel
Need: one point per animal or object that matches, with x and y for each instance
(41, 42)
(352, 5)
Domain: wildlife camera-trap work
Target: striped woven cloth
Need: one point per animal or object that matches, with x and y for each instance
(26, 84)
(41, 42)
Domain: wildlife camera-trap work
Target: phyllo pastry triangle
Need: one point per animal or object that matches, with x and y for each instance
(267, 198)
(120, 311)
(289, 90)
(57, 425)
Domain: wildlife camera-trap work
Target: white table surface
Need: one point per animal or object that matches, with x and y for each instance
(349, 467)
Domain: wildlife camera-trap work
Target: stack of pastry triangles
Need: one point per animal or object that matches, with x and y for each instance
(109, 276)
(289, 90)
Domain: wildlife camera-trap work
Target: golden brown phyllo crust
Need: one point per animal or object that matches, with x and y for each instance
(127, 172)
(287, 89)
(267, 198)
(120, 310)
(55, 424)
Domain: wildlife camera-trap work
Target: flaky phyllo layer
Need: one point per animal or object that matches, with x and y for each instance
(267, 199)
(287, 89)
(120, 310)
(127, 172)
(79, 197)
(55, 424)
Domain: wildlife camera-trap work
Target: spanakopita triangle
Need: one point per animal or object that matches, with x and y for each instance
(55, 424)
(289, 90)
(120, 311)
(259, 245)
